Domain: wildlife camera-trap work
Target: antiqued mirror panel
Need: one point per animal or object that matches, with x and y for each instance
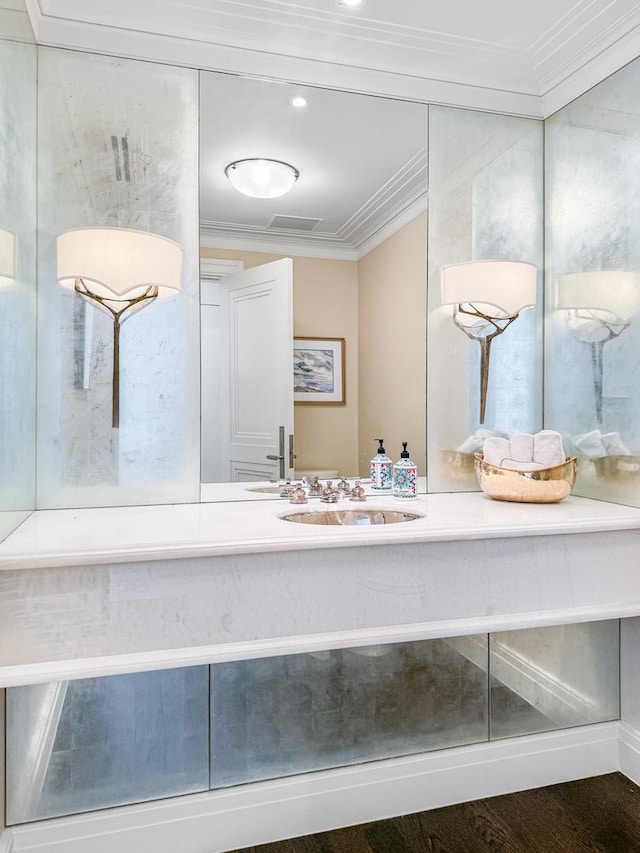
(94, 743)
(545, 679)
(593, 285)
(485, 204)
(280, 716)
(17, 277)
(118, 150)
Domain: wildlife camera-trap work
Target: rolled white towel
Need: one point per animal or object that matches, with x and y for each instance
(515, 465)
(496, 449)
(613, 445)
(548, 449)
(591, 444)
(526, 452)
(522, 447)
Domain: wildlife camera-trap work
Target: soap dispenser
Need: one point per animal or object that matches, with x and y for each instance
(405, 475)
(381, 470)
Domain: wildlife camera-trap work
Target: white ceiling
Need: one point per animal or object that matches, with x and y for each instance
(511, 56)
(514, 56)
(362, 164)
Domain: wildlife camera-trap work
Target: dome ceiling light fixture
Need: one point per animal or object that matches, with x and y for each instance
(262, 178)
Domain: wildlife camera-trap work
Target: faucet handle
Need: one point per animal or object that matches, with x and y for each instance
(344, 486)
(298, 496)
(357, 492)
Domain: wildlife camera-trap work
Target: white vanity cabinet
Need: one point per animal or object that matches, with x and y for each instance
(234, 583)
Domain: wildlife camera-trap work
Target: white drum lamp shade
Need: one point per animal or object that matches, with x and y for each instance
(510, 286)
(489, 296)
(615, 291)
(120, 271)
(119, 262)
(7, 257)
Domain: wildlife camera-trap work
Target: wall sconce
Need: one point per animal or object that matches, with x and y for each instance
(7, 257)
(262, 178)
(119, 271)
(489, 296)
(601, 305)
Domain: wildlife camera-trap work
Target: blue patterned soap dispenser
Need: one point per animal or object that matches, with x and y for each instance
(381, 470)
(404, 478)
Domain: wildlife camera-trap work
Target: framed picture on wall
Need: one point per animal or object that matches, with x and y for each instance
(318, 371)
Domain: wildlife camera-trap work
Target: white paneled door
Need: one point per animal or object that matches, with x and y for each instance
(255, 395)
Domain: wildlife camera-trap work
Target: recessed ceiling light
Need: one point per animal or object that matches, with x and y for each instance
(349, 2)
(261, 178)
(298, 101)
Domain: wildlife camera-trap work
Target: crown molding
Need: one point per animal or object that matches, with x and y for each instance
(292, 42)
(331, 71)
(398, 193)
(589, 68)
(274, 241)
(218, 235)
(14, 22)
(391, 207)
(389, 228)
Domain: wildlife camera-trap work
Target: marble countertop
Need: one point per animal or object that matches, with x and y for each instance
(72, 537)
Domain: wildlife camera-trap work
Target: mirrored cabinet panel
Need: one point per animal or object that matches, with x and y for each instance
(281, 716)
(544, 679)
(93, 743)
(75, 746)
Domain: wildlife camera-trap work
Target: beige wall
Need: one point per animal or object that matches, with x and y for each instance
(325, 304)
(392, 306)
(379, 305)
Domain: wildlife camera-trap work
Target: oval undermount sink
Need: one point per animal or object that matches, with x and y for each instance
(351, 516)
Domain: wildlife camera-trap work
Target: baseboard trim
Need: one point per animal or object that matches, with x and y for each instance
(247, 815)
(629, 752)
(6, 841)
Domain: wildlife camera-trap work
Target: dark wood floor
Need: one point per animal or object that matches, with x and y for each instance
(599, 814)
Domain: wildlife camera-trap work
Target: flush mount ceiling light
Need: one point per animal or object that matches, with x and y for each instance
(298, 101)
(349, 3)
(261, 178)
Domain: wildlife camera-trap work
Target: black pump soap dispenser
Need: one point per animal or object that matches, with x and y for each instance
(381, 470)
(404, 478)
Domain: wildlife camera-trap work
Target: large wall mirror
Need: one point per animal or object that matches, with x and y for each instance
(119, 146)
(17, 268)
(337, 262)
(593, 284)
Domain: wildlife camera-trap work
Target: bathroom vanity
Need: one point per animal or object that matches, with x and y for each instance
(89, 594)
(205, 676)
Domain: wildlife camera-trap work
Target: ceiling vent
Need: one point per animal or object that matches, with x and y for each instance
(293, 223)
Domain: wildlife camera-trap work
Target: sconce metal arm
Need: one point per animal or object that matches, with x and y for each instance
(117, 308)
(610, 330)
(480, 332)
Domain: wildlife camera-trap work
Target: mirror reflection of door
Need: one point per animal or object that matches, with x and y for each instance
(247, 341)
(354, 224)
